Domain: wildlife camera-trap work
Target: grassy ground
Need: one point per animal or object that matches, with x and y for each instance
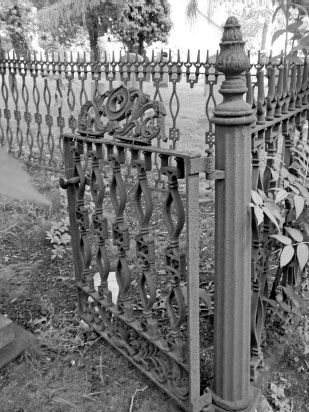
(75, 370)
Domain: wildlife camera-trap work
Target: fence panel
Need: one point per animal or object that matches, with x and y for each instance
(42, 96)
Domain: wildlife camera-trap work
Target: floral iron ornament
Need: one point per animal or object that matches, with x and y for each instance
(128, 114)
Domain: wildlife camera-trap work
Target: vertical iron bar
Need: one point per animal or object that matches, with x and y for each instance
(75, 236)
(192, 184)
(233, 119)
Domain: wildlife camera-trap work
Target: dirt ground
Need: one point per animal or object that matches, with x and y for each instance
(73, 369)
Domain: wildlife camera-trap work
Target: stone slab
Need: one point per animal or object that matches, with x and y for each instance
(7, 331)
(13, 340)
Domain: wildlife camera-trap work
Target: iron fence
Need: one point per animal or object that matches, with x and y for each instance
(41, 95)
(249, 137)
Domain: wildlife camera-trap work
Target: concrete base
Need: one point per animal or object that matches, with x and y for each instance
(13, 340)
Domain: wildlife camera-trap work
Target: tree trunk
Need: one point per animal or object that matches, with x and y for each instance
(140, 44)
(92, 24)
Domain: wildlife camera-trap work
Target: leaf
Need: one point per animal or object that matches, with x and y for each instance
(300, 8)
(274, 209)
(263, 195)
(284, 173)
(292, 58)
(289, 291)
(283, 239)
(294, 189)
(271, 217)
(299, 205)
(285, 307)
(293, 27)
(296, 36)
(303, 190)
(277, 34)
(302, 253)
(275, 175)
(303, 44)
(256, 198)
(272, 302)
(295, 233)
(281, 195)
(286, 255)
(258, 214)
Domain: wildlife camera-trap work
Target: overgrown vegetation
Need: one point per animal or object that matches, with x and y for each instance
(285, 208)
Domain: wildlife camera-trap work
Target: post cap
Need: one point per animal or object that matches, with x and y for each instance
(232, 58)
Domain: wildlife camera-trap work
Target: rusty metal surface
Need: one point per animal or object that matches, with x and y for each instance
(233, 118)
(41, 95)
(163, 356)
(242, 135)
(126, 113)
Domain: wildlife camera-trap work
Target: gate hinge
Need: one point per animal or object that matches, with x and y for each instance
(211, 172)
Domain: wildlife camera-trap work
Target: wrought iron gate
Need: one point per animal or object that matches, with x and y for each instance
(165, 357)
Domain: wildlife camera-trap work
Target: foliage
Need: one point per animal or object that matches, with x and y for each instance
(133, 23)
(278, 398)
(59, 237)
(294, 27)
(286, 206)
(143, 22)
(63, 16)
(20, 23)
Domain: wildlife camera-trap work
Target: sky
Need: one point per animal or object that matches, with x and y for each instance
(199, 36)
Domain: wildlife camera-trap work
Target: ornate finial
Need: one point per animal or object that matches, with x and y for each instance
(233, 61)
(232, 58)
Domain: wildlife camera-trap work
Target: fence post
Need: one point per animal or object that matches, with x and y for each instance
(233, 118)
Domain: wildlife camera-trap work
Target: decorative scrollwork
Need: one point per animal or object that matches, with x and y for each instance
(126, 113)
(174, 259)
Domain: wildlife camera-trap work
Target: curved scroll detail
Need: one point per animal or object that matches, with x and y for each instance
(126, 113)
(100, 225)
(120, 233)
(145, 246)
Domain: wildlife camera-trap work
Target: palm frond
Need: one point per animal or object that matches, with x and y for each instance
(192, 10)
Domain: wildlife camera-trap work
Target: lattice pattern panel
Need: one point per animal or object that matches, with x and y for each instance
(106, 241)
